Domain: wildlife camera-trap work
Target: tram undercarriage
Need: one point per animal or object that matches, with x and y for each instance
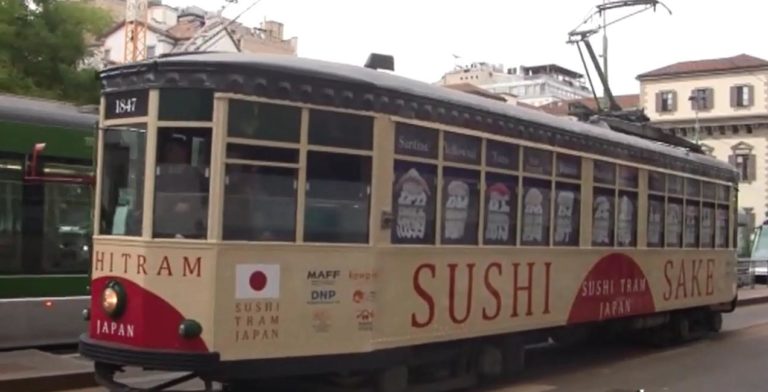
(432, 367)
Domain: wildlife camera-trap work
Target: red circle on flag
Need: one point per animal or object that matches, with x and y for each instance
(258, 281)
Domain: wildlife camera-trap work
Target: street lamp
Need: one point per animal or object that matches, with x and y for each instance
(696, 99)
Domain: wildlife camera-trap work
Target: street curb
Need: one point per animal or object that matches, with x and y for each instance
(752, 301)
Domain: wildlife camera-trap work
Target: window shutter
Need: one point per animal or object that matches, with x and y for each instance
(752, 169)
(658, 102)
(734, 96)
(694, 101)
(751, 95)
(673, 107)
(710, 98)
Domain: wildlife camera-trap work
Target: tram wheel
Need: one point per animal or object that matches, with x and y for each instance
(394, 379)
(681, 328)
(490, 362)
(715, 321)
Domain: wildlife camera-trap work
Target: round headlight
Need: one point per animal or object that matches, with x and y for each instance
(113, 299)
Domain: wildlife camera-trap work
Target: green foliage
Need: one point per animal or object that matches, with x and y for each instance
(42, 43)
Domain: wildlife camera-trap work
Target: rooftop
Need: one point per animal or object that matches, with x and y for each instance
(561, 108)
(735, 63)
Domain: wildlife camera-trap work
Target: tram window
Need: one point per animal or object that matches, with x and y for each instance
(186, 104)
(10, 215)
(692, 188)
(535, 219)
(338, 198)
(413, 140)
(460, 206)
(674, 185)
(536, 161)
(708, 191)
(181, 183)
(723, 193)
(708, 225)
(260, 203)
(655, 221)
(604, 173)
(626, 225)
(502, 155)
(603, 212)
(721, 225)
(264, 121)
(628, 177)
(656, 182)
(567, 214)
(461, 149)
(335, 129)
(261, 153)
(122, 181)
(692, 224)
(674, 223)
(568, 166)
(500, 210)
(67, 228)
(413, 203)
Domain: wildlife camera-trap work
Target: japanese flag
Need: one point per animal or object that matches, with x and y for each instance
(257, 281)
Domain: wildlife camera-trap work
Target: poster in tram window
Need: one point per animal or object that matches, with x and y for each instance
(537, 161)
(721, 225)
(567, 202)
(655, 222)
(707, 226)
(603, 210)
(535, 230)
(460, 206)
(500, 210)
(414, 203)
(692, 226)
(626, 222)
(674, 223)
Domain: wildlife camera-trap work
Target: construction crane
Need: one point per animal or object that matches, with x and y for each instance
(136, 19)
(610, 113)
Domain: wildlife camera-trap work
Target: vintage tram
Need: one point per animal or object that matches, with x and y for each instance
(269, 216)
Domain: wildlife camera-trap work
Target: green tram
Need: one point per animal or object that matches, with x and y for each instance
(46, 199)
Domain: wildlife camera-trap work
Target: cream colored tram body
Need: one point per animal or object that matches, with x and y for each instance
(265, 216)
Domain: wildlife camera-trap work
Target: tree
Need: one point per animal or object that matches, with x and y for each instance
(42, 43)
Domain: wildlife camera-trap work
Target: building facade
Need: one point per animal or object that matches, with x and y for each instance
(189, 29)
(536, 86)
(724, 104)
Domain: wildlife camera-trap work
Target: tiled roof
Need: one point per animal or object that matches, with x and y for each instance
(735, 63)
(560, 108)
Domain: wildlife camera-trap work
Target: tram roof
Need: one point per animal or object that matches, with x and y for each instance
(44, 112)
(242, 73)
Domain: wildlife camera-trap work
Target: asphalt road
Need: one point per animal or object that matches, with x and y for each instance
(735, 360)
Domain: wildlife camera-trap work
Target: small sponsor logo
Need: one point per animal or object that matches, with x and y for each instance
(362, 275)
(323, 296)
(364, 320)
(323, 277)
(321, 320)
(360, 296)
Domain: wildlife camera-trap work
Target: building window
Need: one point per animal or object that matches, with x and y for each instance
(107, 54)
(702, 99)
(741, 96)
(150, 51)
(744, 161)
(666, 101)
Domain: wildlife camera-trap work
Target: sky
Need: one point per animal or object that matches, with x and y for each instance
(424, 35)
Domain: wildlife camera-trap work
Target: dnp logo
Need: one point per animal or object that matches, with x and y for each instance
(323, 296)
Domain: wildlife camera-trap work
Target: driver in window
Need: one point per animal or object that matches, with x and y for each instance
(179, 190)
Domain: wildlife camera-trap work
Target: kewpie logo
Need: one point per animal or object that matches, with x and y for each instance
(257, 281)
